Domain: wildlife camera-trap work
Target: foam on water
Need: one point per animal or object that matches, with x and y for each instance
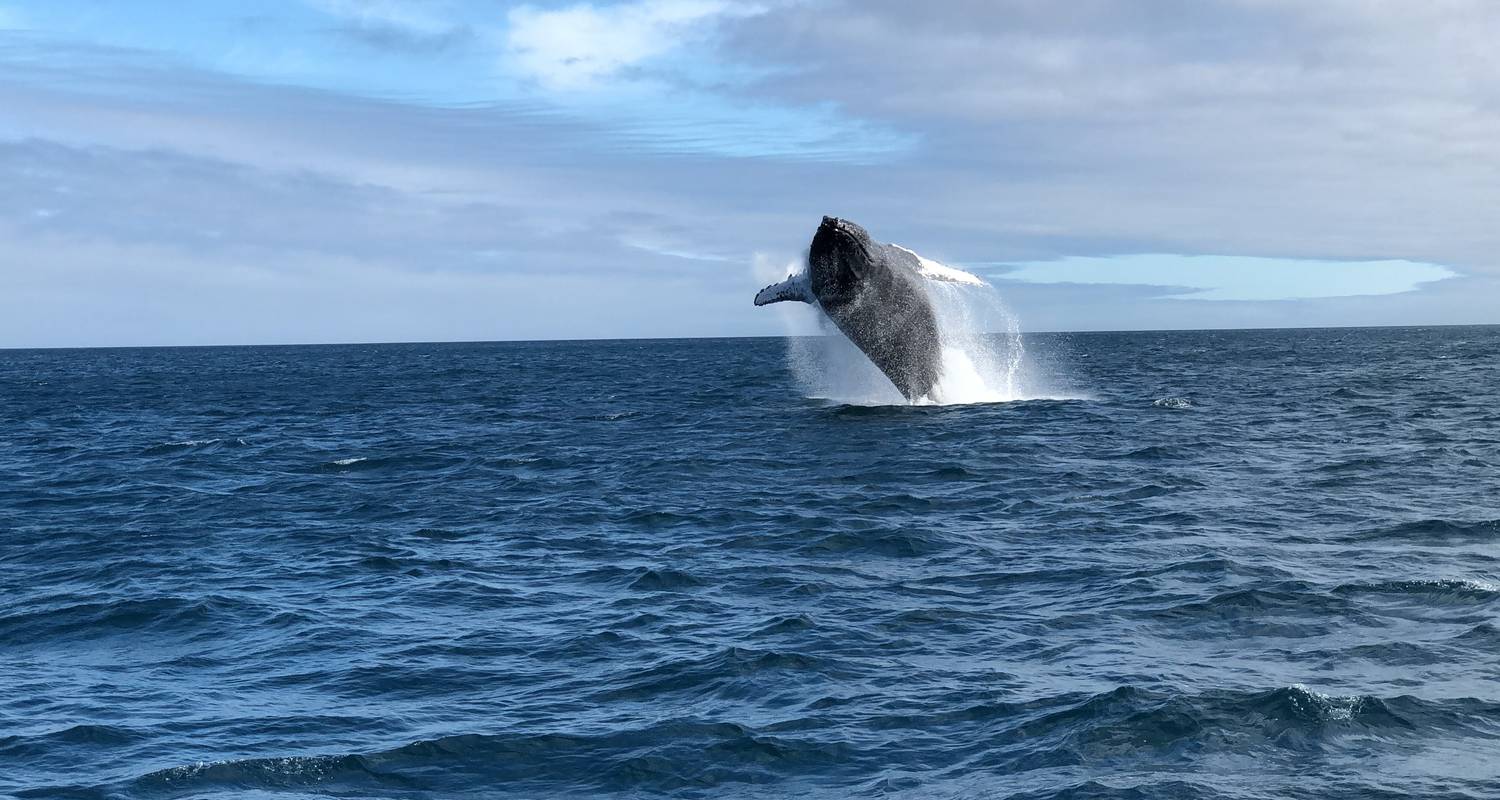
(1332, 706)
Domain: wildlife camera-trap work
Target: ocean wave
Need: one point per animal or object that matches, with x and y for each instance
(645, 579)
(1170, 730)
(731, 672)
(1435, 531)
(1360, 466)
(1143, 492)
(413, 462)
(191, 444)
(1443, 590)
(666, 757)
(85, 736)
(743, 593)
(114, 617)
(1485, 634)
(611, 416)
(1291, 609)
(896, 544)
(1158, 452)
(1213, 566)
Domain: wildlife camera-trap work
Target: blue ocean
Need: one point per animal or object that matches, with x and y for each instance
(1229, 564)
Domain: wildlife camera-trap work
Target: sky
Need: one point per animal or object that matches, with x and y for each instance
(392, 170)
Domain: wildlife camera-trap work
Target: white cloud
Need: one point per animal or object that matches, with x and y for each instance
(583, 46)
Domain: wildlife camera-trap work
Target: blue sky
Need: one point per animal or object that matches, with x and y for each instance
(376, 170)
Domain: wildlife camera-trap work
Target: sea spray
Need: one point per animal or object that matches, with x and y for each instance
(983, 354)
(829, 367)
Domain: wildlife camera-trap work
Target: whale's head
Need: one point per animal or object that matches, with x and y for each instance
(840, 258)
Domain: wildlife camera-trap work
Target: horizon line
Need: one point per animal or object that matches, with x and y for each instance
(8, 348)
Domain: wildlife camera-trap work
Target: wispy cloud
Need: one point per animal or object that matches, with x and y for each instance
(588, 47)
(656, 71)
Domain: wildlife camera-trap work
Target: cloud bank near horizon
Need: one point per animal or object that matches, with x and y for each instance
(346, 170)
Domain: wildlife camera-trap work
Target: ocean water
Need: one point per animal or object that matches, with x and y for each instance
(1236, 564)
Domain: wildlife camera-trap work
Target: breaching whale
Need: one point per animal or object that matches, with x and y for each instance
(873, 293)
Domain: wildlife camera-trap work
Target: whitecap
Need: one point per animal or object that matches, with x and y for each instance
(1333, 706)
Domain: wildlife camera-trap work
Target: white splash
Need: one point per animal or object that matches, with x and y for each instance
(984, 356)
(1333, 706)
(943, 272)
(983, 353)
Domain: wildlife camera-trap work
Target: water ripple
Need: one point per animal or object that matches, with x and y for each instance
(653, 569)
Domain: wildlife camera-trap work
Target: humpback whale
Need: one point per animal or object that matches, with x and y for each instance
(873, 293)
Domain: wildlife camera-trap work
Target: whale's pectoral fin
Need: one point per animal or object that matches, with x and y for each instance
(793, 288)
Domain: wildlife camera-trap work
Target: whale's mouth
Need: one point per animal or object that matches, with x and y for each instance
(846, 233)
(842, 245)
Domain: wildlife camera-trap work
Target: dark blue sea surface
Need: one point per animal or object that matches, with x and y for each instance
(1246, 565)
